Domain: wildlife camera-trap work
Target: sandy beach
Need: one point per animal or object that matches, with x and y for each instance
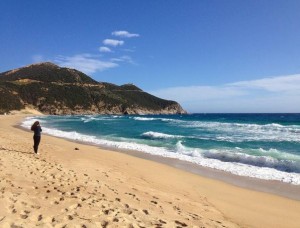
(93, 187)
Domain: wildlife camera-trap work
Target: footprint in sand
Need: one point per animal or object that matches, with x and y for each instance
(105, 174)
(146, 212)
(24, 214)
(180, 223)
(55, 202)
(162, 221)
(40, 217)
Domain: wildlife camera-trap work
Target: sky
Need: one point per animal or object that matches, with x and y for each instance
(208, 55)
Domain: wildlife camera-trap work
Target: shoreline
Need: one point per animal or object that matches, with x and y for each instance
(134, 191)
(267, 186)
(275, 187)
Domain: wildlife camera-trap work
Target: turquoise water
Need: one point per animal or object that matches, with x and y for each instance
(265, 146)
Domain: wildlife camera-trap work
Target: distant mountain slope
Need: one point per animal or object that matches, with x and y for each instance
(55, 90)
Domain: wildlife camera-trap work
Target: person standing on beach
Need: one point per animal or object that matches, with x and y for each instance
(36, 127)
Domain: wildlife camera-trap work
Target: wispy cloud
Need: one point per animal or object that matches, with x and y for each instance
(124, 58)
(275, 94)
(274, 84)
(85, 62)
(38, 58)
(114, 43)
(128, 50)
(124, 34)
(104, 49)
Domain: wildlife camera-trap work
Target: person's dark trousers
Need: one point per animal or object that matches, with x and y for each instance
(36, 140)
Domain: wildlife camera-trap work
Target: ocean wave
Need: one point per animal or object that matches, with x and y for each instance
(157, 119)
(158, 135)
(259, 161)
(172, 120)
(271, 158)
(117, 116)
(278, 154)
(263, 167)
(194, 152)
(144, 118)
(30, 120)
(89, 118)
(237, 132)
(234, 126)
(238, 164)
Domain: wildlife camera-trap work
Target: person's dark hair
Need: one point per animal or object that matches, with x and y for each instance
(34, 125)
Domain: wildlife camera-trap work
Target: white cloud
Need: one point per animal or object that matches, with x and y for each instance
(124, 34)
(276, 94)
(85, 62)
(114, 43)
(104, 49)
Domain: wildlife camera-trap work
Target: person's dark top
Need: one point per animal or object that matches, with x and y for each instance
(37, 131)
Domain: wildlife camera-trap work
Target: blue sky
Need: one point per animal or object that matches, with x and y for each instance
(211, 56)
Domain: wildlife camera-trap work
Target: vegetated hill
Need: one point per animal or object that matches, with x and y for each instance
(56, 90)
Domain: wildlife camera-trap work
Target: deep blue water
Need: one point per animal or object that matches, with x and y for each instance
(264, 146)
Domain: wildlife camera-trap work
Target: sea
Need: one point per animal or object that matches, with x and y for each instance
(263, 146)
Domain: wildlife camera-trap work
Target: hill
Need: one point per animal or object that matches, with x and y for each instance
(58, 90)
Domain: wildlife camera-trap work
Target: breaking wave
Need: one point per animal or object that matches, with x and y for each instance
(158, 135)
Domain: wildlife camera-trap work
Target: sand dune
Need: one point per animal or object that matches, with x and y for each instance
(92, 187)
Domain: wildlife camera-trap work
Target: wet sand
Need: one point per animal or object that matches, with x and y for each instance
(94, 187)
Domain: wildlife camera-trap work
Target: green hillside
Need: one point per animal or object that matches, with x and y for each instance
(55, 90)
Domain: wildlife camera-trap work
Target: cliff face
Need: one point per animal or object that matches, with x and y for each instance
(55, 90)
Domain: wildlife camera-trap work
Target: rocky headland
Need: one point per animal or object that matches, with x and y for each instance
(56, 90)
